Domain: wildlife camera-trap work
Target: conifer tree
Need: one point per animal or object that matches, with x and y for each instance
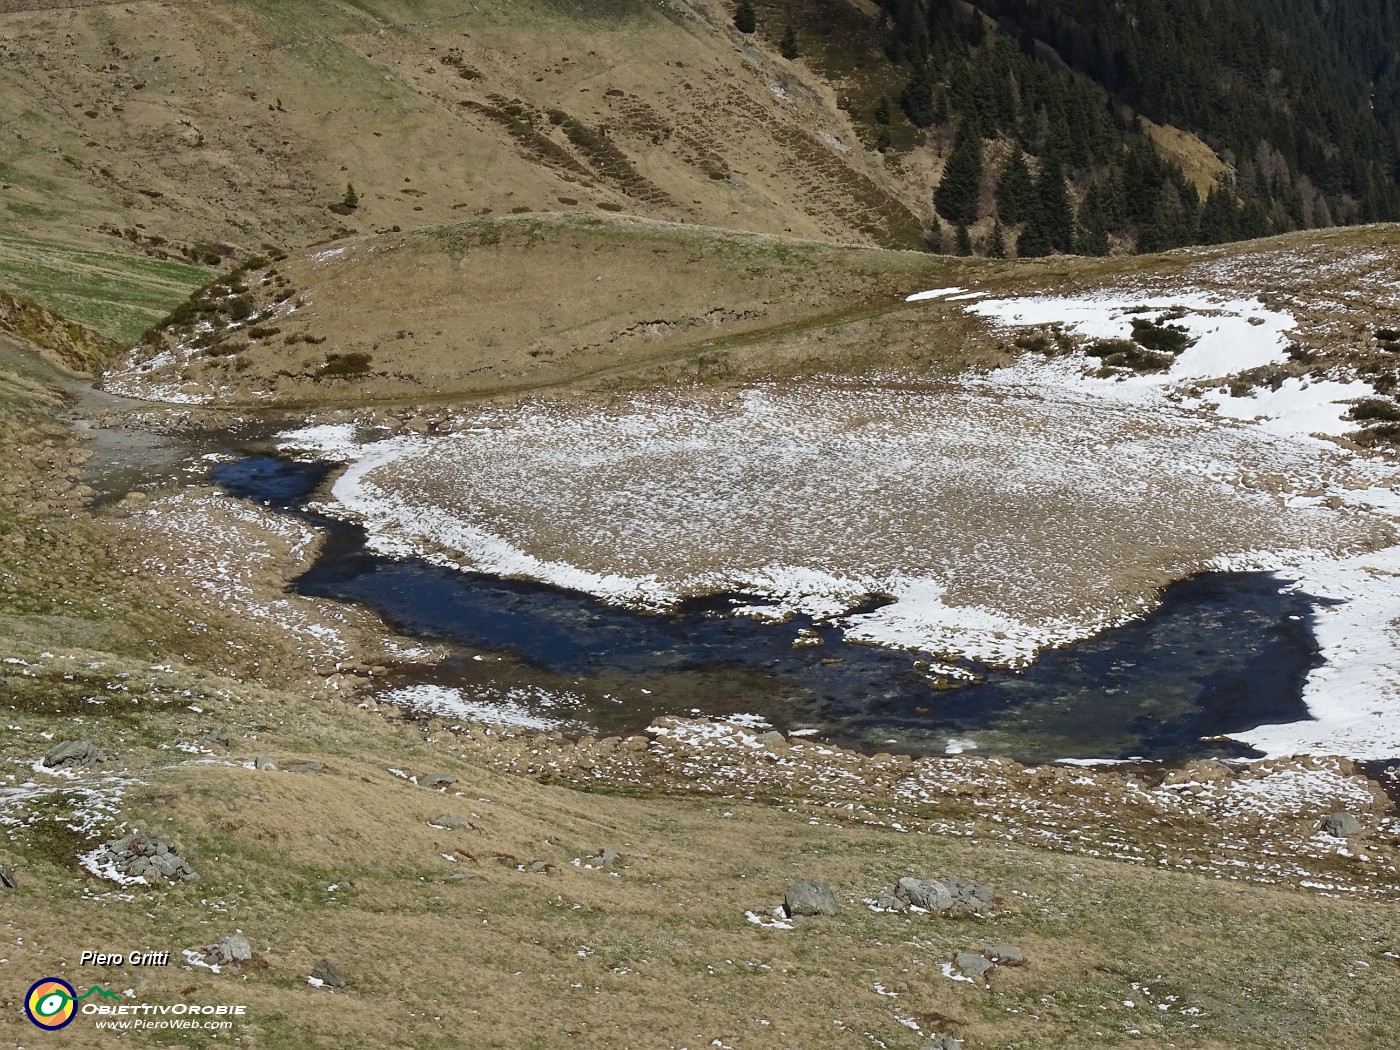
(957, 195)
(1015, 191)
(996, 247)
(1034, 241)
(917, 99)
(963, 240)
(745, 20)
(1054, 210)
(787, 46)
(933, 237)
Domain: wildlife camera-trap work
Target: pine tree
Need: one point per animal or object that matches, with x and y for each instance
(963, 240)
(1015, 191)
(352, 199)
(996, 247)
(933, 237)
(957, 195)
(745, 20)
(1034, 241)
(917, 99)
(1054, 210)
(882, 110)
(787, 47)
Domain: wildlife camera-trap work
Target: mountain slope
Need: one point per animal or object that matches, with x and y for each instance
(206, 126)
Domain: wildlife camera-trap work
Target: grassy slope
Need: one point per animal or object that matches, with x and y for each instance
(529, 304)
(118, 295)
(241, 121)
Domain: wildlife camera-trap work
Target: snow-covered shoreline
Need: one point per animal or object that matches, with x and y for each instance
(602, 512)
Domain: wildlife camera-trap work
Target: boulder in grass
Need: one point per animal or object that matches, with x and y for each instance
(809, 898)
(227, 952)
(929, 894)
(70, 753)
(328, 974)
(1005, 955)
(1342, 825)
(452, 823)
(437, 780)
(970, 964)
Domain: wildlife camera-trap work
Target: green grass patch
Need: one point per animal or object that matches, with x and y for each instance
(119, 296)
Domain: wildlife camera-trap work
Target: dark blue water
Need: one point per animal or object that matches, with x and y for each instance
(1222, 652)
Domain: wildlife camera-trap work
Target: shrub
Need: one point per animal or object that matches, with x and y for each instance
(1375, 408)
(1163, 338)
(351, 364)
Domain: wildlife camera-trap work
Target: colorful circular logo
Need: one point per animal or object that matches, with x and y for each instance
(51, 1003)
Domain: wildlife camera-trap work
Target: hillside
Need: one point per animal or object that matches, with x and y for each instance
(214, 130)
(497, 493)
(207, 128)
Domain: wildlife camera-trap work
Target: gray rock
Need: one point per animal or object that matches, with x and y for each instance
(436, 780)
(1342, 825)
(1005, 955)
(214, 736)
(809, 898)
(326, 972)
(889, 902)
(446, 820)
(608, 856)
(305, 767)
(70, 753)
(946, 1042)
(7, 878)
(972, 965)
(149, 857)
(228, 951)
(929, 894)
(264, 762)
(772, 738)
(968, 896)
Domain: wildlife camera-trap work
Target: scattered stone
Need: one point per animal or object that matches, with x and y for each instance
(954, 896)
(264, 762)
(929, 894)
(1005, 955)
(946, 1042)
(70, 753)
(452, 823)
(214, 736)
(968, 896)
(7, 878)
(228, 951)
(151, 858)
(772, 738)
(436, 780)
(971, 964)
(608, 856)
(889, 902)
(1342, 825)
(809, 898)
(305, 767)
(326, 972)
